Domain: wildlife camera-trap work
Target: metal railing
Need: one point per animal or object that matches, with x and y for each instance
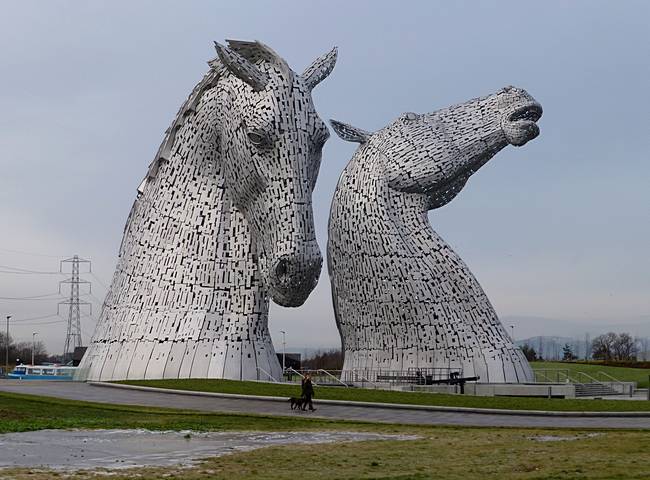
(375, 378)
(564, 376)
(544, 375)
(336, 379)
(622, 385)
(260, 369)
(400, 377)
(547, 374)
(291, 369)
(318, 377)
(364, 380)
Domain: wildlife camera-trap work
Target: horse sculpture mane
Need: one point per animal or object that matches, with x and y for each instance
(403, 299)
(254, 52)
(222, 222)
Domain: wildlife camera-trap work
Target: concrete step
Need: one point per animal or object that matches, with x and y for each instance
(594, 390)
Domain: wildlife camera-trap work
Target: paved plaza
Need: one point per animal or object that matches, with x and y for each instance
(87, 392)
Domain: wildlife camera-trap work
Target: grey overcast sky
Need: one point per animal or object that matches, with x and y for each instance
(558, 229)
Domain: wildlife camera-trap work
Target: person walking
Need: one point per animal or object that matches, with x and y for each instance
(307, 392)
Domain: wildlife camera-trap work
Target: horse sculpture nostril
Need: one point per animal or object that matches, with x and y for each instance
(281, 268)
(292, 276)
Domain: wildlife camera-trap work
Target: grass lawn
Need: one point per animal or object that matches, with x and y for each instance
(386, 396)
(639, 375)
(20, 413)
(440, 453)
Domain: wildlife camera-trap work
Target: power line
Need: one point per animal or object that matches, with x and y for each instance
(26, 271)
(20, 269)
(27, 323)
(12, 272)
(29, 253)
(42, 317)
(3, 300)
(98, 280)
(74, 332)
(44, 323)
(93, 297)
(35, 297)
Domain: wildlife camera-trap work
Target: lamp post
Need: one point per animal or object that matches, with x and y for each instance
(7, 347)
(512, 329)
(33, 345)
(284, 343)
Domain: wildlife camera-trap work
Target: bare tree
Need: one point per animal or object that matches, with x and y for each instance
(611, 346)
(602, 347)
(23, 351)
(3, 342)
(625, 347)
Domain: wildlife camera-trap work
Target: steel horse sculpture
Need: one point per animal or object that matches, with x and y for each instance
(222, 221)
(402, 297)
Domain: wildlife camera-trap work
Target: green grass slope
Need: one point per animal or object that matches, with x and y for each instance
(387, 396)
(20, 413)
(624, 374)
(450, 453)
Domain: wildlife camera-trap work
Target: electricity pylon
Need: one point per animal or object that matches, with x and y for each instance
(73, 334)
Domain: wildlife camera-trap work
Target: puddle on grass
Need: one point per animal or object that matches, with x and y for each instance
(88, 449)
(563, 438)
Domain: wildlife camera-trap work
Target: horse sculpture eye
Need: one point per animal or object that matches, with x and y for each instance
(258, 139)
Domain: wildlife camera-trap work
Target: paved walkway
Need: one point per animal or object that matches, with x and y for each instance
(82, 391)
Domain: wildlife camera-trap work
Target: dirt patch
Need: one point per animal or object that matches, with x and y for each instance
(563, 438)
(111, 449)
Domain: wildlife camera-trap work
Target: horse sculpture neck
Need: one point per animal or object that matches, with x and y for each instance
(222, 222)
(187, 274)
(403, 298)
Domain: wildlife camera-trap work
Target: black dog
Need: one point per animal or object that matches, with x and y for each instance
(297, 402)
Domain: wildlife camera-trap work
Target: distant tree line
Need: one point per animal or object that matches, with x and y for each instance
(530, 353)
(21, 352)
(555, 348)
(607, 347)
(327, 360)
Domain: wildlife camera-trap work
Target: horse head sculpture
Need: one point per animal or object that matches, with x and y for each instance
(221, 223)
(402, 297)
(436, 153)
(272, 139)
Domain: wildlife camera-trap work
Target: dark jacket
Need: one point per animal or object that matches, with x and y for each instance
(307, 388)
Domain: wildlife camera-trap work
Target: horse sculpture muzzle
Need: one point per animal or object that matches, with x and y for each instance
(293, 275)
(521, 112)
(289, 258)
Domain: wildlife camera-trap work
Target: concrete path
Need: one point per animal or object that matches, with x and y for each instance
(82, 391)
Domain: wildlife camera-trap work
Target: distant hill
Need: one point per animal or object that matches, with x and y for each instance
(531, 326)
(550, 348)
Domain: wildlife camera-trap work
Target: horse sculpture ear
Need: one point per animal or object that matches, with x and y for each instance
(242, 68)
(320, 69)
(350, 133)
